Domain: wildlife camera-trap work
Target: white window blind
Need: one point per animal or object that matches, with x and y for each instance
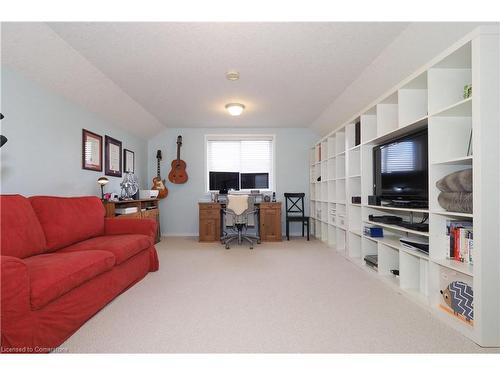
(243, 154)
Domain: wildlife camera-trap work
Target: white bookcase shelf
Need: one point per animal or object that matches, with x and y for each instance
(458, 127)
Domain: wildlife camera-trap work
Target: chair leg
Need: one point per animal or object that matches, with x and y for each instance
(308, 229)
(303, 229)
(247, 238)
(288, 230)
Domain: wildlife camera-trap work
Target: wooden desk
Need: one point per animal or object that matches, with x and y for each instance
(211, 221)
(146, 209)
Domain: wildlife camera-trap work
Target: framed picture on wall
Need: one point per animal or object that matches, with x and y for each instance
(113, 157)
(128, 161)
(91, 151)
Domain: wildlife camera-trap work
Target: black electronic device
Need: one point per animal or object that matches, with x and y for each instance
(254, 180)
(356, 200)
(413, 244)
(223, 181)
(387, 219)
(371, 260)
(401, 168)
(419, 227)
(373, 200)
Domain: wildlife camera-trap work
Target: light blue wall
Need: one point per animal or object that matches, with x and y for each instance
(179, 211)
(44, 152)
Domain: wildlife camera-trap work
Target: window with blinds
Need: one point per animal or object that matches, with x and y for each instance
(240, 162)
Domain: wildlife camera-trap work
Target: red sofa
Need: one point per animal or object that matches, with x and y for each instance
(61, 262)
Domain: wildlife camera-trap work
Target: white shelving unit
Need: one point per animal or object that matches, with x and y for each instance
(432, 97)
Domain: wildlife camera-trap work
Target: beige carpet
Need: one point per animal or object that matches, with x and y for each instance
(292, 296)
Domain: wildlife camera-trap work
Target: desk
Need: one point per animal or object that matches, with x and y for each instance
(146, 209)
(210, 216)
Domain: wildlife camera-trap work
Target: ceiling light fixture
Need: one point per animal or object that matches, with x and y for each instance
(233, 75)
(235, 109)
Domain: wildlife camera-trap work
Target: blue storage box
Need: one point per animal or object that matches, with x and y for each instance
(373, 231)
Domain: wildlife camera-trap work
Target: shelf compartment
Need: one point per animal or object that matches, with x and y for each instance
(368, 125)
(388, 259)
(446, 87)
(332, 236)
(354, 245)
(412, 100)
(341, 240)
(449, 139)
(413, 273)
(396, 228)
(465, 268)
(387, 118)
(420, 210)
(462, 108)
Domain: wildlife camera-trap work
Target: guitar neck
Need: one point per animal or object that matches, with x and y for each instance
(178, 152)
(158, 171)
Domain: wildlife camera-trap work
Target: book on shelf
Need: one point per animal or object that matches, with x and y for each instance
(460, 241)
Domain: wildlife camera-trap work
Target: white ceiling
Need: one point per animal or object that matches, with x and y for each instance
(172, 74)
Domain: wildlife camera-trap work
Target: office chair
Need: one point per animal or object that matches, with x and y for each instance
(239, 208)
(294, 207)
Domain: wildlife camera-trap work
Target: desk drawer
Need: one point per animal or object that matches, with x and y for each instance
(209, 206)
(150, 214)
(210, 214)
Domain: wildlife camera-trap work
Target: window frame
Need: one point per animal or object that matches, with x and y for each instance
(241, 137)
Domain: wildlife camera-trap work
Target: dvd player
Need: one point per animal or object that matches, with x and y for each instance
(414, 244)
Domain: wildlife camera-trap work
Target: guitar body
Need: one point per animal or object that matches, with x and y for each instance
(158, 183)
(178, 173)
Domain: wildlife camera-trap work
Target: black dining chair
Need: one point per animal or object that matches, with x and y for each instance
(294, 207)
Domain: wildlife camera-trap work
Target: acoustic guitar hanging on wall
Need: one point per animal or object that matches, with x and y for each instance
(158, 183)
(178, 173)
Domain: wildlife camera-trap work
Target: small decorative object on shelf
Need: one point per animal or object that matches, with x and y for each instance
(274, 196)
(267, 198)
(459, 297)
(129, 185)
(467, 91)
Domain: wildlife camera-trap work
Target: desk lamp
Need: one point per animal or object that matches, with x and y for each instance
(102, 181)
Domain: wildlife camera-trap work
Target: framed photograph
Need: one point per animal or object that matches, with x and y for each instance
(113, 157)
(91, 151)
(128, 161)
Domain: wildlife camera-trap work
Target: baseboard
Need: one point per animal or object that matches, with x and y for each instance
(179, 234)
(292, 234)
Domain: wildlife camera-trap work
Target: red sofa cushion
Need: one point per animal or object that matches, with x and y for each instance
(21, 233)
(123, 246)
(66, 221)
(52, 275)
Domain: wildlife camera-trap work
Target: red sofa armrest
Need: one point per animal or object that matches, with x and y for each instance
(15, 300)
(131, 226)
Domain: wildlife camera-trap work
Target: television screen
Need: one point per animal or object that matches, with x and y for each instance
(401, 169)
(224, 180)
(255, 180)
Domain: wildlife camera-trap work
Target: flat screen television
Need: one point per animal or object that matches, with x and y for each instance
(224, 180)
(401, 169)
(255, 180)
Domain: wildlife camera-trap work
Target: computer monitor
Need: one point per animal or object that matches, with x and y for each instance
(255, 180)
(224, 181)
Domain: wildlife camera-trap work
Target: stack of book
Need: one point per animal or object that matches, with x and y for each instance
(460, 241)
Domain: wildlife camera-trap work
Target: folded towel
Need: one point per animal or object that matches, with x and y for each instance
(460, 181)
(457, 202)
